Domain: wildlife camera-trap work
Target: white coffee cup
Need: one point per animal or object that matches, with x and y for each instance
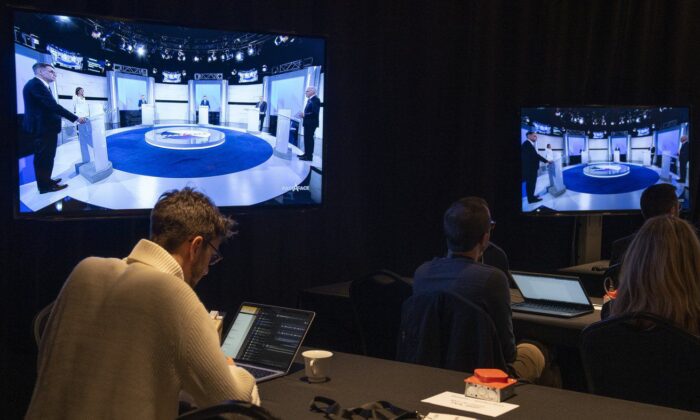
(317, 364)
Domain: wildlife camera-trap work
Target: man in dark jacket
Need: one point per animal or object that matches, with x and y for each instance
(262, 111)
(531, 163)
(467, 226)
(42, 121)
(310, 123)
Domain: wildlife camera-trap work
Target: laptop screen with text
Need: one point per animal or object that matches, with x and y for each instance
(266, 336)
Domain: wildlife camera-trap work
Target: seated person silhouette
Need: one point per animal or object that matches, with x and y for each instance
(467, 225)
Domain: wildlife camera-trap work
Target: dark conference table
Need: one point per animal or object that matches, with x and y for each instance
(356, 380)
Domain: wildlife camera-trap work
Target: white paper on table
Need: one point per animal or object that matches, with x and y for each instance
(439, 416)
(461, 402)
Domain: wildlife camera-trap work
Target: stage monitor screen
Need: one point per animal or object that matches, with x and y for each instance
(112, 113)
(596, 159)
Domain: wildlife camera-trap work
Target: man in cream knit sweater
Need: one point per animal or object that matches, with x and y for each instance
(126, 336)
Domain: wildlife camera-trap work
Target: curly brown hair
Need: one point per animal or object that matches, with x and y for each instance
(182, 214)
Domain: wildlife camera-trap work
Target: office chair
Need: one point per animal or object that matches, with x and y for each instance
(611, 276)
(242, 409)
(444, 330)
(376, 302)
(642, 357)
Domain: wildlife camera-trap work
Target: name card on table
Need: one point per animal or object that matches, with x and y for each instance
(461, 402)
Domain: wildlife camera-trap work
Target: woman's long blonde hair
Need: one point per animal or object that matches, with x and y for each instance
(660, 273)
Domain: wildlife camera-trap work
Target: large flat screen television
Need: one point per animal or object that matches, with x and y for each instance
(237, 115)
(599, 159)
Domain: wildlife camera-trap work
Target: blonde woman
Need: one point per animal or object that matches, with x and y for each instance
(661, 273)
(80, 106)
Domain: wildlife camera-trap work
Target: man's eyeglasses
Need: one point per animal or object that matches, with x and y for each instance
(216, 256)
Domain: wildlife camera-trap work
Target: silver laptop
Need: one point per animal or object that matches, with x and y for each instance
(552, 295)
(265, 339)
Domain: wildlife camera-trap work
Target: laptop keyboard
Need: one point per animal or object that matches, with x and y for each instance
(550, 307)
(257, 373)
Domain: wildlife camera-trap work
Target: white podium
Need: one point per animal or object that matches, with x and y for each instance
(556, 179)
(584, 156)
(646, 157)
(616, 156)
(284, 117)
(95, 165)
(252, 118)
(666, 166)
(148, 114)
(203, 114)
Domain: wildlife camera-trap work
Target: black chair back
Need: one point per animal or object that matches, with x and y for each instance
(243, 410)
(441, 329)
(611, 275)
(376, 301)
(642, 357)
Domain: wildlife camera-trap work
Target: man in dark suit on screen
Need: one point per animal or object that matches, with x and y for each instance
(262, 109)
(205, 101)
(310, 116)
(683, 156)
(142, 100)
(42, 121)
(531, 163)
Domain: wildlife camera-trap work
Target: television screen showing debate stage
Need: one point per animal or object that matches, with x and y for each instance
(601, 159)
(236, 115)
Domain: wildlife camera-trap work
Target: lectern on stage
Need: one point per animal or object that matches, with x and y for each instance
(556, 180)
(666, 166)
(203, 114)
(646, 157)
(616, 156)
(284, 117)
(148, 114)
(95, 165)
(253, 119)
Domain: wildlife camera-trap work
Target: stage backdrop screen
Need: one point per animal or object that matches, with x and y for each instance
(137, 88)
(597, 159)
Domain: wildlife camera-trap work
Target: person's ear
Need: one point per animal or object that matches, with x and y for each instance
(196, 246)
(485, 239)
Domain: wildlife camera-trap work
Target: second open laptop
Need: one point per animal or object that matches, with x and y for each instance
(552, 295)
(265, 339)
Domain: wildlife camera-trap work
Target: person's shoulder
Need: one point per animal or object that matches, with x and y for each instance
(421, 271)
(487, 270)
(487, 274)
(31, 83)
(94, 269)
(100, 263)
(426, 266)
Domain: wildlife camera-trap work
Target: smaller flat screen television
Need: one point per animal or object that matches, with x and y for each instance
(236, 114)
(599, 159)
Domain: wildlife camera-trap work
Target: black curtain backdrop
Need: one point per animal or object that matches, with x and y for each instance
(421, 106)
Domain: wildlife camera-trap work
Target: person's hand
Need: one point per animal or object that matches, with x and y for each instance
(300, 114)
(255, 396)
(82, 120)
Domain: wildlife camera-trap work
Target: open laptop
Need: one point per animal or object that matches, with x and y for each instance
(265, 339)
(552, 295)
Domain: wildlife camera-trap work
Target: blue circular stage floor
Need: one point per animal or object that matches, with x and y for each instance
(129, 152)
(638, 178)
